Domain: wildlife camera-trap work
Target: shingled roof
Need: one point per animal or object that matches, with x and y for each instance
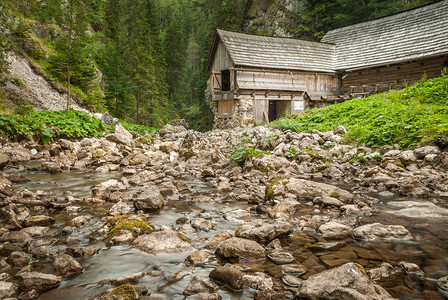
(247, 50)
(409, 35)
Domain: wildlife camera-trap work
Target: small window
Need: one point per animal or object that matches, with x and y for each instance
(225, 80)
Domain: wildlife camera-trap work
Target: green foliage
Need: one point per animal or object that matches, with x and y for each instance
(409, 117)
(319, 17)
(45, 125)
(292, 152)
(241, 154)
(140, 129)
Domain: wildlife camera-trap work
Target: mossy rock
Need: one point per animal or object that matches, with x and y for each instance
(135, 224)
(126, 291)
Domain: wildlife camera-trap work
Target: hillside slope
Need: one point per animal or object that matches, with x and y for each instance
(28, 87)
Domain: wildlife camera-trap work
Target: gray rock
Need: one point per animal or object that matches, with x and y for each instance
(306, 190)
(82, 252)
(265, 232)
(7, 289)
(162, 242)
(17, 154)
(328, 201)
(38, 281)
(119, 208)
(203, 224)
(442, 285)
(13, 215)
(200, 285)
(378, 231)
(40, 220)
(347, 282)
(417, 209)
(334, 229)
(4, 161)
(66, 265)
(411, 268)
(240, 248)
(384, 271)
(118, 138)
(422, 152)
(150, 199)
(19, 258)
(200, 256)
(407, 156)
(107, 119)
(291, 280)
(204, 296)
(340, 130)
(281, 257)
(131, 279)
(229, 276)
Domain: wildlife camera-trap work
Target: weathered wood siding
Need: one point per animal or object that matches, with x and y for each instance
(379, 79)
(221, 61)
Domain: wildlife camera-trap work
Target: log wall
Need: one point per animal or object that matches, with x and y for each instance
(384, 78)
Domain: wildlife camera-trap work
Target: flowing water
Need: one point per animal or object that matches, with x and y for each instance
(170, 274)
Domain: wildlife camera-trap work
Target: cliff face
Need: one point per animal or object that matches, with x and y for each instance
(273, 17)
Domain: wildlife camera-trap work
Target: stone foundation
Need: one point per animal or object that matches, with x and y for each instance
(242, 115)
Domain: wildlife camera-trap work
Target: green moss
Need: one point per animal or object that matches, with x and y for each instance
(131, 223)
(126, 291)
(183, 238)
(335, 195)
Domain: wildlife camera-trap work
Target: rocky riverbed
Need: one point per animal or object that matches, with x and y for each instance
(174, 217)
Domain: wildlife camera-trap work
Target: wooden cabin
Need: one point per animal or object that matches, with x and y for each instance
(257, 79)
(391, 52)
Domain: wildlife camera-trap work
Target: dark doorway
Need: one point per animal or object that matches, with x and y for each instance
(278, 109)
(272, 112)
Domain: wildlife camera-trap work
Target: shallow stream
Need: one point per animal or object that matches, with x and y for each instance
(170, 273)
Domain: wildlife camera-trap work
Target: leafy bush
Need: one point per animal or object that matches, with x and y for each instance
(409, 117)
(46, 125)
(140, 129)
(241, 154)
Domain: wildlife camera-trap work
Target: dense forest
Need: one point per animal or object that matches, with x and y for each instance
(144, 60)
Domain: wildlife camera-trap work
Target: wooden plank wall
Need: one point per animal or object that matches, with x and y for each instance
(380, 79)
(225, 108)
(272, 80)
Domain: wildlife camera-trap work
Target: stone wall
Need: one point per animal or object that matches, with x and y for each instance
(242, 116)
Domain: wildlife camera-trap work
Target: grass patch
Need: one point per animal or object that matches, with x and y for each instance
(409, 117)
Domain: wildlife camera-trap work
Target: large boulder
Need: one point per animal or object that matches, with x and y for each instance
(38, 281)
(150, 199)
(240, 248)
(17, 154)
(66, 265)
(162, 242)
(347, 282)
(377, 231)
(306, 190)
(229, 276)
(264, 233)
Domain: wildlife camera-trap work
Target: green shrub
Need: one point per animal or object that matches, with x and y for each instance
(241, 154)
